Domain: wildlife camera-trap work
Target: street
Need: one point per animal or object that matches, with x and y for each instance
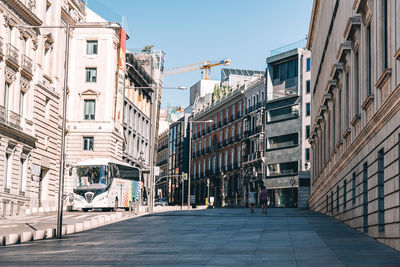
(283, 237)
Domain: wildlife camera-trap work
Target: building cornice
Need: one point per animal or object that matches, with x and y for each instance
(311, 29)
(20, 9)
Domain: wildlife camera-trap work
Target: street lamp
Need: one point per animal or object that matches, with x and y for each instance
(68, 27)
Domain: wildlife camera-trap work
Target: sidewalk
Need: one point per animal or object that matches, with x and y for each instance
(38, 226)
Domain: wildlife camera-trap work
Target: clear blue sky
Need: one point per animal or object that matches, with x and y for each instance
(191, 31)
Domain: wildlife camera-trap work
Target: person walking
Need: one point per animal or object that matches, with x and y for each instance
(252, 199)
(264, 199)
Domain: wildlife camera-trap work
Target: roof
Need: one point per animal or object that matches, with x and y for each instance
(225, 73)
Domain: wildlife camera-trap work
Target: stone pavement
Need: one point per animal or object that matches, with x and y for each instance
(284, 237)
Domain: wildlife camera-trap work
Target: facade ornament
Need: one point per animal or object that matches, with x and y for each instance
(24, 84)
(32, 4)
(9, 75)
(34, 43)
(65, 5)
(6, 17)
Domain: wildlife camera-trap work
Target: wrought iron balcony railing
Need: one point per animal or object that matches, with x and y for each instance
(27, 64)
(12, 53)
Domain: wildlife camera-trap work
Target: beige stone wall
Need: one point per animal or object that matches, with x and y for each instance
(368, 204)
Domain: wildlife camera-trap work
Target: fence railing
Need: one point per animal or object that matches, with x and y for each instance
(12, 53)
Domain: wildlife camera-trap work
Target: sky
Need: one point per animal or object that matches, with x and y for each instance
(192, 31)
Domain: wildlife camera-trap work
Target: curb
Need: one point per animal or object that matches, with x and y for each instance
(69, 229)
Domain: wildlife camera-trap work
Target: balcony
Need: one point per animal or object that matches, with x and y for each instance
(238, 114)
(232, 118)
(204, 131)
(226, 142)
(220, 123)
(12, 54)
(226, 121)
(215, 126)
(27, 64)
(231, 140)
(10, 118)
(238, 137)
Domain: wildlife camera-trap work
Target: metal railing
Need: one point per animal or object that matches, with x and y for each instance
(12, 53)
(282, 49)
(10, 118)
(27, 64)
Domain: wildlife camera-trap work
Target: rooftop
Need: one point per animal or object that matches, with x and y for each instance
(285, 48)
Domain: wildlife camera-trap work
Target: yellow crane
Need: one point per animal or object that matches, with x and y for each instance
(205, 66)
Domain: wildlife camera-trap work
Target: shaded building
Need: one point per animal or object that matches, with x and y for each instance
(355, 115)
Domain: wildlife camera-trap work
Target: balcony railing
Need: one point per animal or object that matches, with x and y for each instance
(238, 114)
(231, 140)
(215, 126)
(232, 118)
(226, 121)
(12, 53)
(283, 172)
(27, 64)
(11, 118)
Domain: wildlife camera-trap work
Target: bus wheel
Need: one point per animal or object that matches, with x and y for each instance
(85, 210)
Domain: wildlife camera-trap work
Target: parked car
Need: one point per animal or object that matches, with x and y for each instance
(160, 202)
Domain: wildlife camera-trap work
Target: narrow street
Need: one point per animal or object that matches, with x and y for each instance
(283, 237)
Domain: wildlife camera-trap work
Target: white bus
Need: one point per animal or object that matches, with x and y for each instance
(103, 184)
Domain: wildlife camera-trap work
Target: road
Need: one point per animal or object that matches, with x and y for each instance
(283, 237)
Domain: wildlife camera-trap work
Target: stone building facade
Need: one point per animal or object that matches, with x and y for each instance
(254, 134)
(31, 86)
(92, 117)
(355, 114)
(217, 149)
(162, 163)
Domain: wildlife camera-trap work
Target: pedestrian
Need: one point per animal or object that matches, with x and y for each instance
(252, 199)
(264, 199)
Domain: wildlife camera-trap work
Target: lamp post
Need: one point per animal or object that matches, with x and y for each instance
(190, 152)
(68, 28)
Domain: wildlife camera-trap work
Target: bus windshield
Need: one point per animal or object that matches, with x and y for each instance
(94, 177)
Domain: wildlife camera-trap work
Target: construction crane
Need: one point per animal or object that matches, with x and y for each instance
(205, 66)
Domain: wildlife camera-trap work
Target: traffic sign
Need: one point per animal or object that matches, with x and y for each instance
(292, 181)
(35, 169)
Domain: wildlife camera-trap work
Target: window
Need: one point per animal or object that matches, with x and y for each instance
(226, 160)
(344, 194)
(369, 59)
(348, 100)
(220, 162)
(240, 130)
(282, 141)
(232, 157)
(308, 64)
(233, 112)
(239, 156)
(357, 82)
(308, 86)
(381, 191)
(47, 109)
(307, 154)
(6, 95)
(21, 103)
(365, 196)
(308, 109)
(88, 143)
(353, 191)
(307, 131)
(337, 198)
(91, 47)
(240, 109)
(23, 172)
(8, 170)
(91, 75)
(89, 109)
(385, 41)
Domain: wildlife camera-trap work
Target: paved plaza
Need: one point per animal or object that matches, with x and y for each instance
(283, 237)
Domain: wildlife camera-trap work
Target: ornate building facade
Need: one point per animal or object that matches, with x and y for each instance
(31, 86)
(355, 114)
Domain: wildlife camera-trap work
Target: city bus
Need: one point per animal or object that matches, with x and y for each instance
(104, 184)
